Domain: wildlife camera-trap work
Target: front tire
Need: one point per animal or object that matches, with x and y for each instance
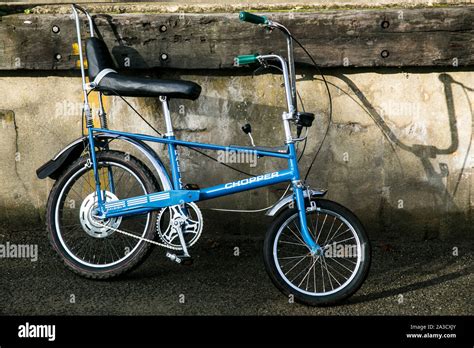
(324, 279)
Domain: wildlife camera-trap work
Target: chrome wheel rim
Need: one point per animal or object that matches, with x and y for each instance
(324, 273)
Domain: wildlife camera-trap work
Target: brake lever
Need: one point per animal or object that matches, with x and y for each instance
(269, 29)
(264, 65)
(261, 67)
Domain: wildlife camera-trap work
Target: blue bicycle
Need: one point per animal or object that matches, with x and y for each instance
(107, 208)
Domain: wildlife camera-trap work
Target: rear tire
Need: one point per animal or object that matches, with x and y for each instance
(328, 278)
(60, 228)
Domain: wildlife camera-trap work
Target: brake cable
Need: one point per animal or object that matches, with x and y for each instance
(330, 105)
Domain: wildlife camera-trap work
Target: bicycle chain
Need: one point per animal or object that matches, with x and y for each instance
(136, 237)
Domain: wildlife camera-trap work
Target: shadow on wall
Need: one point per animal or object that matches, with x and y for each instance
(447, 216)
(125, 56)
(439, 216)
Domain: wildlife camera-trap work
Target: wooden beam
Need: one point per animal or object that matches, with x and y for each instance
(356, 38)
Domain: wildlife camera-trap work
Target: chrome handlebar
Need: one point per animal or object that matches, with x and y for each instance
(290, 55)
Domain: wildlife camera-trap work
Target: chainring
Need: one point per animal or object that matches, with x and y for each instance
(191, 223)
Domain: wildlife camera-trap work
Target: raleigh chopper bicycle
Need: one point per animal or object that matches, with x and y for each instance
(107, 208)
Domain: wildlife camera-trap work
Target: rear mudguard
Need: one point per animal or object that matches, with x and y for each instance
(54, 167)
(288, 200)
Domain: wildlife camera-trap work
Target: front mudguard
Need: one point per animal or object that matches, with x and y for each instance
(54, 167)
(287, 201)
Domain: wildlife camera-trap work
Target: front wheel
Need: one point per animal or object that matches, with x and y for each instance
(327, 277)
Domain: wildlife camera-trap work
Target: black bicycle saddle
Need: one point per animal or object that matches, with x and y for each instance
(108, 81)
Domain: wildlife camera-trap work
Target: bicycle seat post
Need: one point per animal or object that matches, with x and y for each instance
(166, 114)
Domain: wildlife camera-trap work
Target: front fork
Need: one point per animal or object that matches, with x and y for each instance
(298, 194)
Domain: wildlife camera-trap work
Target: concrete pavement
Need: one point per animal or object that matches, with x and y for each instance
(411, 278)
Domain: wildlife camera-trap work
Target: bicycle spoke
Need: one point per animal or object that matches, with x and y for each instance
(314, 278)
(340, 234)
(322, 227)
(342, 223)
(88, 182)
(285, 242)
(309, 270)
(335, 270)
(295, 265)
(292, 257)
(316, 227)
(329, 274)
(291, 261)
(322, 275)
(335, 243)
(332, 225)
(333, 259)
(297, 237)
(300, 272)
(130, 188)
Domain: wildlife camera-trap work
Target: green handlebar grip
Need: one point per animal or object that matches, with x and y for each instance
(245, 59)
(249, 17)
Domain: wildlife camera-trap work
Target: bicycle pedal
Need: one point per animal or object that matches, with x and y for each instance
(181, 259)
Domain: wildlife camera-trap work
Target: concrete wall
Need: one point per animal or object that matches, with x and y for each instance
(398, 152)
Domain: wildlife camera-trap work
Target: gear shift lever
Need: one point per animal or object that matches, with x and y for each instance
(247, 129)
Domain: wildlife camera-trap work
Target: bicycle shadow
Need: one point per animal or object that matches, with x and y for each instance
(125, 56)
(408, 288)
(442, 198)
(413, 264)
(435, 185)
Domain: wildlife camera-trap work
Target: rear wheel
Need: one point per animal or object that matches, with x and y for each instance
(87, 245)
(325, 278)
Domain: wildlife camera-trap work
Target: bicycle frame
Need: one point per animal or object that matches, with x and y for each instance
(154, 201)
(179, 195)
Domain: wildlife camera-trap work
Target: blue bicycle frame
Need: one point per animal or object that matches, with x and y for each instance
(178, 195)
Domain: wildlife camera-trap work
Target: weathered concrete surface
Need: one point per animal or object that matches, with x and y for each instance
(398, 151)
